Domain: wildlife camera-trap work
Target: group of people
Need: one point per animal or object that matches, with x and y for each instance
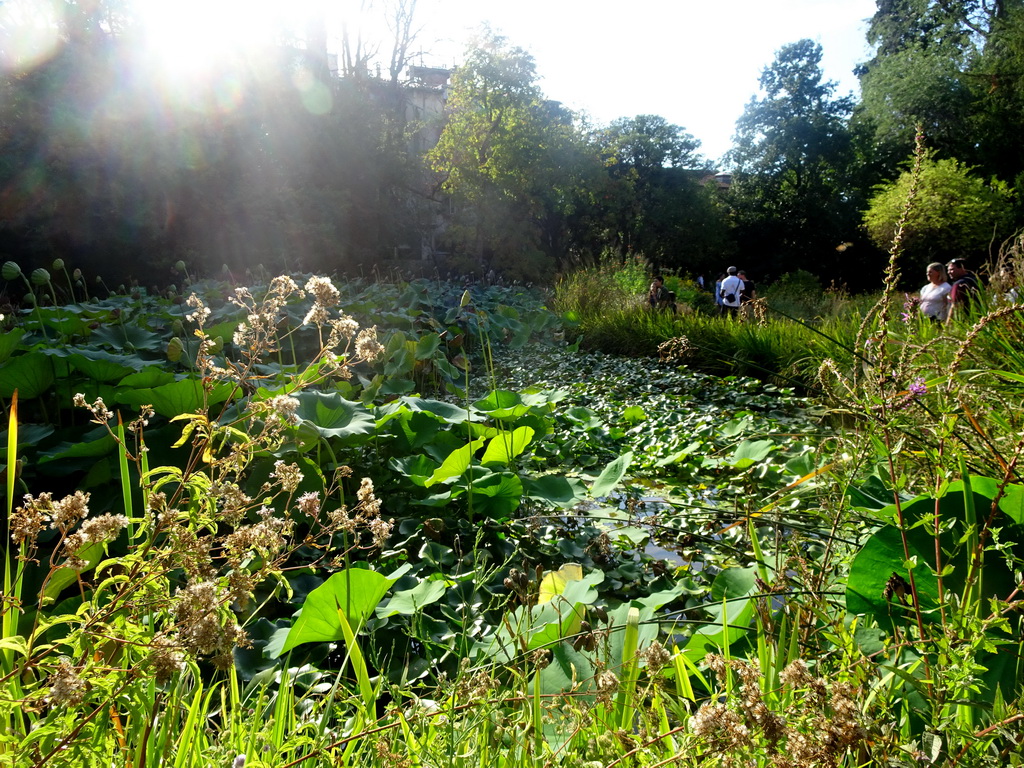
(733, 290)
(941, 300)
(950, 290)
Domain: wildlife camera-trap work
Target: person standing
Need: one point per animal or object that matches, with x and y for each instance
(660, 297)
(730, 292)
(749, 292)
(655, 291)
(935, 295)
(718, 292)
(964, 293)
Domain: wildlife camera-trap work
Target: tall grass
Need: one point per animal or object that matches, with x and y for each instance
(782, 338)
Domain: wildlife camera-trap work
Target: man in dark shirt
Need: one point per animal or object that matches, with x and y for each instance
(660, 297)
(964, 293)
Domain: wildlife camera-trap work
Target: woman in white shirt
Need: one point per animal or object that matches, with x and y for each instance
(934, 296)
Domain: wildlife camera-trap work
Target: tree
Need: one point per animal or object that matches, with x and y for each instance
(791, 197)
(656, 198)
(954, 213)
(509, 160)
(953, 67)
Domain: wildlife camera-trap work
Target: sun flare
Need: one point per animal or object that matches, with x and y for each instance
(193, 38)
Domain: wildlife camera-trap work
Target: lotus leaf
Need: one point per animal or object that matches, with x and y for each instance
(355, 592)
(334, 416)
(31, 374)
(611, 475)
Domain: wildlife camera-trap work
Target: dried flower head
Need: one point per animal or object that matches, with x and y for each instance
(722, 728)
(367, 346)
(323, 291)
(106, 527)
(656, 657)
(607, 684)
(204, 625)
(28, 520)
(67, 688)
(309, 504)
(201, 312)
(288, 475)
(166, 659)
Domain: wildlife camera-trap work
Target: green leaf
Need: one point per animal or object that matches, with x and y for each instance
(31, 374)
(731, 612)
(584, 418)
(400, 363)
(64, 576)
(554, 582)
(410, 601)
(9, 342)
(612, 475)
(678, 456)
(104, 366)
(427, 346)
(501, 404)
(637, 537)
(176, 398)
(456, 464)
(334, 416)
(883, 555)
(506, 446)
(634, 414)
(569, 670)
(147, 378)
(86, 447)
(355, 592)
(554, 489)
(447, 412)
(750, 452)
(497, 495)
(29, 434)
(127, 338)
(418, 468)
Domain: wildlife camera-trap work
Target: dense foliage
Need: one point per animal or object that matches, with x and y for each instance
(304, 520)
(453, 536)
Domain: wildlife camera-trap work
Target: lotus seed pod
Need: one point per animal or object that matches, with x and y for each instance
(174, 349)
(10, 270)
(58, 265)
(40, 276)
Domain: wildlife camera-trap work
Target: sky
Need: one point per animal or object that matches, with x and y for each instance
(694, 62)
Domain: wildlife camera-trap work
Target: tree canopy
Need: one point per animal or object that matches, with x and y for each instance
(954, 212)
(792, 198)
